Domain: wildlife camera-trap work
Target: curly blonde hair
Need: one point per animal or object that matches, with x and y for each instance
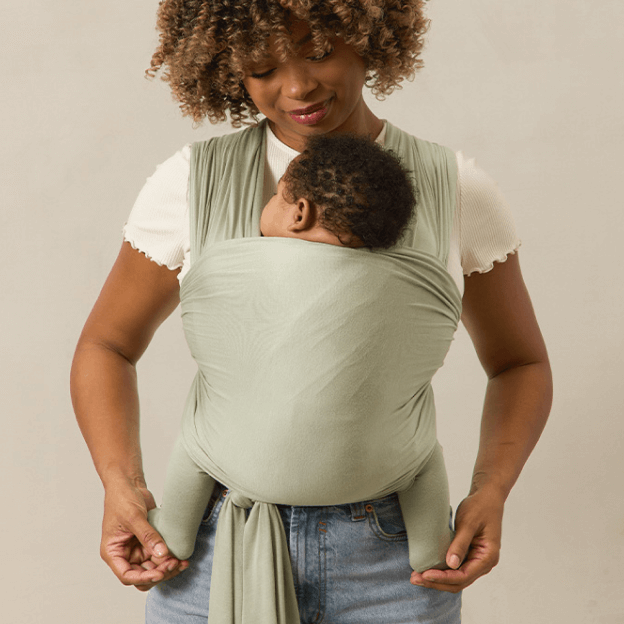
(205, 45)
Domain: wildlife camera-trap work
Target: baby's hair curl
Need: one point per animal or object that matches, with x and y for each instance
(363, 193)
(205, 44)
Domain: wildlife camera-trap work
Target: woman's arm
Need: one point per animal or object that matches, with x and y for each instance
(136, 298)
(499, 317)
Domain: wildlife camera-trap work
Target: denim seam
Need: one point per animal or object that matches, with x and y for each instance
(378, 532)
(322, 557)
(294, 546)
(207, 521)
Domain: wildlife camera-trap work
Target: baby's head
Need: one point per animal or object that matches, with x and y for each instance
(344, 190)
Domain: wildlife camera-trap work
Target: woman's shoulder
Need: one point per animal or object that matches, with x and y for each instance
(487, 227)
(473, 182)
(484, 229)
(168, 182)
(244, 139)
(396, 137)
(468, 166)
(477, 188)
(157, 224)
(180, 158)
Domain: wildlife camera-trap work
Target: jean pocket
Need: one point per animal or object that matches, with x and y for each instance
(386, 520)
(214, 505)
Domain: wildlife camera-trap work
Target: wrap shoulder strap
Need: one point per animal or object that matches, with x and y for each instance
(434, 170)
(226, 177)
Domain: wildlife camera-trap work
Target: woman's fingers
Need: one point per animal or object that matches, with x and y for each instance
(147, 535)
(131, 547)
(142, 572)
(476, 546)
(455, 580)
(459, 547)
(131, 573)
(133, 565)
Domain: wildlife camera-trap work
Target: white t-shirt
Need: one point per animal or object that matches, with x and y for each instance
(483, 228)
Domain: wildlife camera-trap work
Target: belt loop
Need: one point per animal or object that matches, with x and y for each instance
(357, 512)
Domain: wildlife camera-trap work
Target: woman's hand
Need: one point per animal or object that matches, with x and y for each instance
(476, 547)
(130, 546)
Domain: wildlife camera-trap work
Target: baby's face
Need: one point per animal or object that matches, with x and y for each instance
(277, 214)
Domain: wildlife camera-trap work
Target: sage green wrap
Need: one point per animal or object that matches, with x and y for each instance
(314, 370)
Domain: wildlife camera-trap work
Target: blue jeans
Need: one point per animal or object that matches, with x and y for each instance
(350, 566)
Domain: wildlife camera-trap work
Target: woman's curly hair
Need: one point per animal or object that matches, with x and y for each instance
(205, 44)
(360, 189)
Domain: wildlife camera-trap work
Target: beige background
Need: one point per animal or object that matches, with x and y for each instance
(533, 89)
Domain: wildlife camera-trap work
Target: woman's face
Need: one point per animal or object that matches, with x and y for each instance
(310, 94)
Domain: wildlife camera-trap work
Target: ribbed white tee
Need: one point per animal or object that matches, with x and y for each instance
(483, 229)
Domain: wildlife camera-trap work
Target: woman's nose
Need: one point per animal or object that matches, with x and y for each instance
(298, 83)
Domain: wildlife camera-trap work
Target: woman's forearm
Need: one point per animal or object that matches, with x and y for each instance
(106, 403)
(516, 407)
(137, 297)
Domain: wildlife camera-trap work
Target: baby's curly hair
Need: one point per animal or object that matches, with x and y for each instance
(205, 44)
(361, 189)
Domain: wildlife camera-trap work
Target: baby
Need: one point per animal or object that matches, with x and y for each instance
(342, 190)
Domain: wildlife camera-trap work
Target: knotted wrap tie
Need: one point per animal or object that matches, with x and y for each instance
(252, 581)
(238, 499)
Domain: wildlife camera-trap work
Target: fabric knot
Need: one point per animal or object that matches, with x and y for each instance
(240, 500)
(252, 579)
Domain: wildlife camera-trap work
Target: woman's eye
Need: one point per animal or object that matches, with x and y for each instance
(268, 72)
(262, 74)
(320, 57)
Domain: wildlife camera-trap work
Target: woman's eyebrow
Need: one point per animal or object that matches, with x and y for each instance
(304, 40)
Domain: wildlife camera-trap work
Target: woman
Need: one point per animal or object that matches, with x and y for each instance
(303, 66)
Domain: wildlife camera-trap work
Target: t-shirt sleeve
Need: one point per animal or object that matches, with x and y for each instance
(158, 222)
(487, 232)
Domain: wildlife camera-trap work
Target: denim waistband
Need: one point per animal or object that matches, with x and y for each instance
(356, 510)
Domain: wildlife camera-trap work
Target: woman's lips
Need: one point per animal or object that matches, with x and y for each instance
(310, 115)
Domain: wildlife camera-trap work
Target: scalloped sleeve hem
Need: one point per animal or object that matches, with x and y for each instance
(490, 266)
(487, 231)
(158, 222)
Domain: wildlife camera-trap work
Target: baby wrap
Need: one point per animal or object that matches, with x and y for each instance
(314, 367)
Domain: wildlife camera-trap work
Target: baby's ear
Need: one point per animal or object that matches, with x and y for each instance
(304, 215)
